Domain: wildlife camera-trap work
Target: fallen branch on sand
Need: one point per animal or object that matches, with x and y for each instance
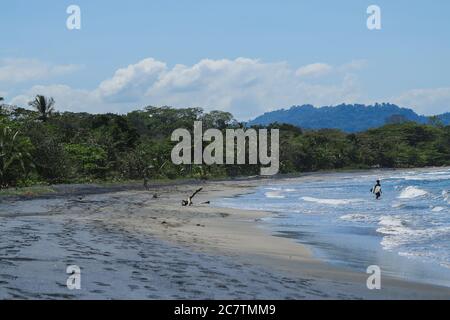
(188, 202)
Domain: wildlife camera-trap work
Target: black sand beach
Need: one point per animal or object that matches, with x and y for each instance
(131, 246)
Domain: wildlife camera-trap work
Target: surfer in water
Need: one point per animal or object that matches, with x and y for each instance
(376, 190)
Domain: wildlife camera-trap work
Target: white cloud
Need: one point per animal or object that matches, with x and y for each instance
(69, 99)
(21, 70)
(430, 101)
(66, 97)
(244, 87)
(354, 65)
(314, 70)
(131, 83)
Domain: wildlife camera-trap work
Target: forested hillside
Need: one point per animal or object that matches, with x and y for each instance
(346, 117)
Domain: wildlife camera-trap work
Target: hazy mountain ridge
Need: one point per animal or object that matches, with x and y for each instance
(347, 117)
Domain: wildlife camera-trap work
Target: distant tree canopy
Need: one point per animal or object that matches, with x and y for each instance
(46, 146)
(396, 119)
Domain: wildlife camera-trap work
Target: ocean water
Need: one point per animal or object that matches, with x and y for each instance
(406, 233)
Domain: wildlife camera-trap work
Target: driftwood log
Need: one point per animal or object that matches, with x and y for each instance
(188, 202)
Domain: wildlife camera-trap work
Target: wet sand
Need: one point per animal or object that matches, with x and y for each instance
(131, 246)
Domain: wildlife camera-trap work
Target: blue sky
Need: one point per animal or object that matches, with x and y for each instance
(246, 57)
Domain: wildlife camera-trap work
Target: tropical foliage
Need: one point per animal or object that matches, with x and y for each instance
(15, 157)
(43, 145)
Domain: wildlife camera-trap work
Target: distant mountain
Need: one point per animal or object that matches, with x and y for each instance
(347, 117)
(445, 118)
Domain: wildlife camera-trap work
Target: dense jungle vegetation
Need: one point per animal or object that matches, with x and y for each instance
(39, 145)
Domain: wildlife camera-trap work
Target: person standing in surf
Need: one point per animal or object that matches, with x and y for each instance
(376, 190)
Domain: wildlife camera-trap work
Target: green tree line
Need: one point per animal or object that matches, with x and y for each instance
(40, 145)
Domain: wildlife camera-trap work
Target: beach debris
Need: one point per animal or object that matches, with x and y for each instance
(155, 196)
(147, 174)
(78, 199)
(188, 202)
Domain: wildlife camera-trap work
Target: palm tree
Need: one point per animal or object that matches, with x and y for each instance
(43, 105)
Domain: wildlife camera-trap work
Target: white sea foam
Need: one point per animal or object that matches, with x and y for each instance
(428, 178)
(398, 236)
(424, 176)
(397, 205)
(397, 232)
(280, 189)
(391, 222)
(273, 188)
(332, 202)
(412, 192)
(438, 209)
(274, 195)
(423, 252)
(357, 217)
(413, 254)
(437, 173)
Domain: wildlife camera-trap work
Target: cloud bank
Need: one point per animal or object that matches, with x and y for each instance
(244, 87)
(22, 70)
(429, 101)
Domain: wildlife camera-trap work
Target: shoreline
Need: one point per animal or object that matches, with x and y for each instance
(286, 254)
(235, 235)
(72, 189)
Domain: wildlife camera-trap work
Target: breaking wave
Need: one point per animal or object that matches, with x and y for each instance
(332, 202)
(274, 195)
(412, 192)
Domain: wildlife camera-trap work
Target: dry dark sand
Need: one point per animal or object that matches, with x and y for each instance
(130, 246)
